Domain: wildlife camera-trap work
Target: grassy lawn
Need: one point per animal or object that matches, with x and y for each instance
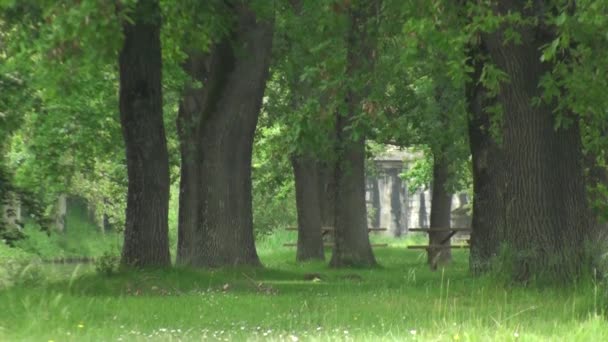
(401, 300)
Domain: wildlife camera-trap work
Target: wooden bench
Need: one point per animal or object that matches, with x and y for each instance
(327, 244)
(441, 244)
(327, 230)
(431, 248)
(331, 229)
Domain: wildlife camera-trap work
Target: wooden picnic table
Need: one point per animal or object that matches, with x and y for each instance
(441, 244)
(331, 229)
(329, 244)
(326, 230)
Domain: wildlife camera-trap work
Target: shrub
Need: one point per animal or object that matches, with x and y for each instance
(107, 264)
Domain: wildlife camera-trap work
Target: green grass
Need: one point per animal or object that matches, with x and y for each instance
(401, 300)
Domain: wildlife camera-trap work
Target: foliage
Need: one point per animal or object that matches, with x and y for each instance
(107, 264)
(273, 183)
(576, 83)
(80, 239)
(420, 175)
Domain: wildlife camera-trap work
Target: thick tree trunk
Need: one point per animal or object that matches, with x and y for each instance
(488, 171)
(216, 224)
(545, 209)
(146, 233)
(327, 193)
(441, 206)
(310, 240)
(352, 246)
(189, 124)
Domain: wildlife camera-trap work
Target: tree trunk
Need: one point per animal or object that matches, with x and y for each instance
(146, 233)
(310, 240)
(487, 224)
(216, 223)
(327, 193)
(199, 67)
(352, 246)
(545, 208)
(441, 205)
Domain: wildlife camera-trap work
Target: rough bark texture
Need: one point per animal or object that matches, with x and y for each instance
(216, 223)
(352, 246)
(488, 175)
(441, 205)
(310, 240)
(327, 193)
(146, 232)
(201, 68)
(545, 207)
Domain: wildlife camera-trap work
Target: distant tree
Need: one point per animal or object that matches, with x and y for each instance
(352, 246)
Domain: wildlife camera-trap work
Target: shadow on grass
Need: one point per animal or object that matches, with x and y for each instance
(400, 270)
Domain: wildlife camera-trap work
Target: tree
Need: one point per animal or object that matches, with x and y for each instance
(544, 198)
(352, 246)
(421, 72)
(306, 158)
(308, 202)
(488, 171)
(141, 113)
(217, 125)
(303, 95)
(58, 105)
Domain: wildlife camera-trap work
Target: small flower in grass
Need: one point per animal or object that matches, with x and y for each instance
(80, 325)
(413, 332)
(516, 334)
(294, 338)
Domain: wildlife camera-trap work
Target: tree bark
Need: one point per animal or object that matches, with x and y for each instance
(200, 67)
(146, 232)
(216, 223)
(327, 193)
(488, 223)
(352, 246)
(310, 239)
(441, 205)
(545, 207)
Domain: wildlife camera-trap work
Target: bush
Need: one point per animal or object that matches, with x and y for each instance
(18, 272)
(107, 264)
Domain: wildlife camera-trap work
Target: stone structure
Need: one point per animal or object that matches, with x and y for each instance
(392, 205)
